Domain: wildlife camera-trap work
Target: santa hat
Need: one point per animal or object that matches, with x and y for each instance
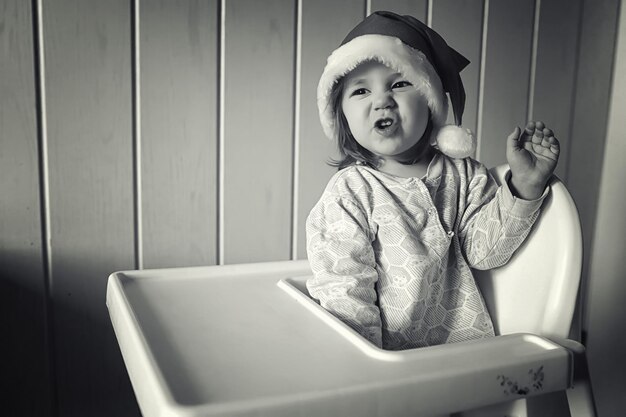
(420, 54)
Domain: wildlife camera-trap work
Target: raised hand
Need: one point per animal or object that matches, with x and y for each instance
(532, 156)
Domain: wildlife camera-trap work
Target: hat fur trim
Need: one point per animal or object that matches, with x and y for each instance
(393, 53)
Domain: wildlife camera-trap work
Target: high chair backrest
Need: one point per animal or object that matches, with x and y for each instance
(536, 291)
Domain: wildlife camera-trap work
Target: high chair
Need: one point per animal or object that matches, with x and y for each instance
(247, 340)
(537, 292)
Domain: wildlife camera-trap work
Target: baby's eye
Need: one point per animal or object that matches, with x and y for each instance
(359, 92)
(401, 84)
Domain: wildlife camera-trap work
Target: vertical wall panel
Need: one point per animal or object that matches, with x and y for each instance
(606, 341)
(88, 101)
(603, 227)
(557, 47)
(416, 8)
(24, 384)
(258, 129)
(322, 32)
(460, 24)
(588, 134)
(178, 102)
(507, 75)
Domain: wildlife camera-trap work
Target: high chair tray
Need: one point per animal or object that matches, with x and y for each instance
(229, 341)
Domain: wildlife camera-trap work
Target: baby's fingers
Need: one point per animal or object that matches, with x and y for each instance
(539, 133)
(550, 142)
(533, 132)
(528, 132)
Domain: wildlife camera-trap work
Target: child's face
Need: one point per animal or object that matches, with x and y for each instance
(385, 113)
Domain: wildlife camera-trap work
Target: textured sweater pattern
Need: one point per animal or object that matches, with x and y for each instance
(391, 256)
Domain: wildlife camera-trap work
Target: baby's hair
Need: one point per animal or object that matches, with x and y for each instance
(353, 153)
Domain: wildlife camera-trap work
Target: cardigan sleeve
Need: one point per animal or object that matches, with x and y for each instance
(339, 247)
(494, 223)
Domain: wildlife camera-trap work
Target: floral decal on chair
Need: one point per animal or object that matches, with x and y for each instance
(512, 387)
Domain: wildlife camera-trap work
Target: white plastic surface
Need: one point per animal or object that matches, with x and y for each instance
(536, 291)
(228, 341)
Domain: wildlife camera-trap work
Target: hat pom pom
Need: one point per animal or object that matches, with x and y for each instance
(455, 141)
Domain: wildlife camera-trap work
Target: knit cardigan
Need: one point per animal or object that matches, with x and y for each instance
(392, 256)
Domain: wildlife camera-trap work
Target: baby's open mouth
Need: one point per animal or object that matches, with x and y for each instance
(383, 123)
(386, 126)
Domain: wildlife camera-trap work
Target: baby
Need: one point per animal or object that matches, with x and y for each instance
(394, 236)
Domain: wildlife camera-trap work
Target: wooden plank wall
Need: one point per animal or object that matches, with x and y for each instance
(25, 366)
(607, 310)
(176, 132)
(257, 142)
(89, 168)
(506, 75)
(595, 178)
(172, 133)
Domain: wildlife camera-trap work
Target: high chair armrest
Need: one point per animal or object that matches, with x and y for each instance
(573, 346)
(580, 396)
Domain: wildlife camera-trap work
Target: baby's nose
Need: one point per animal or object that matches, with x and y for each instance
(383, 100)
